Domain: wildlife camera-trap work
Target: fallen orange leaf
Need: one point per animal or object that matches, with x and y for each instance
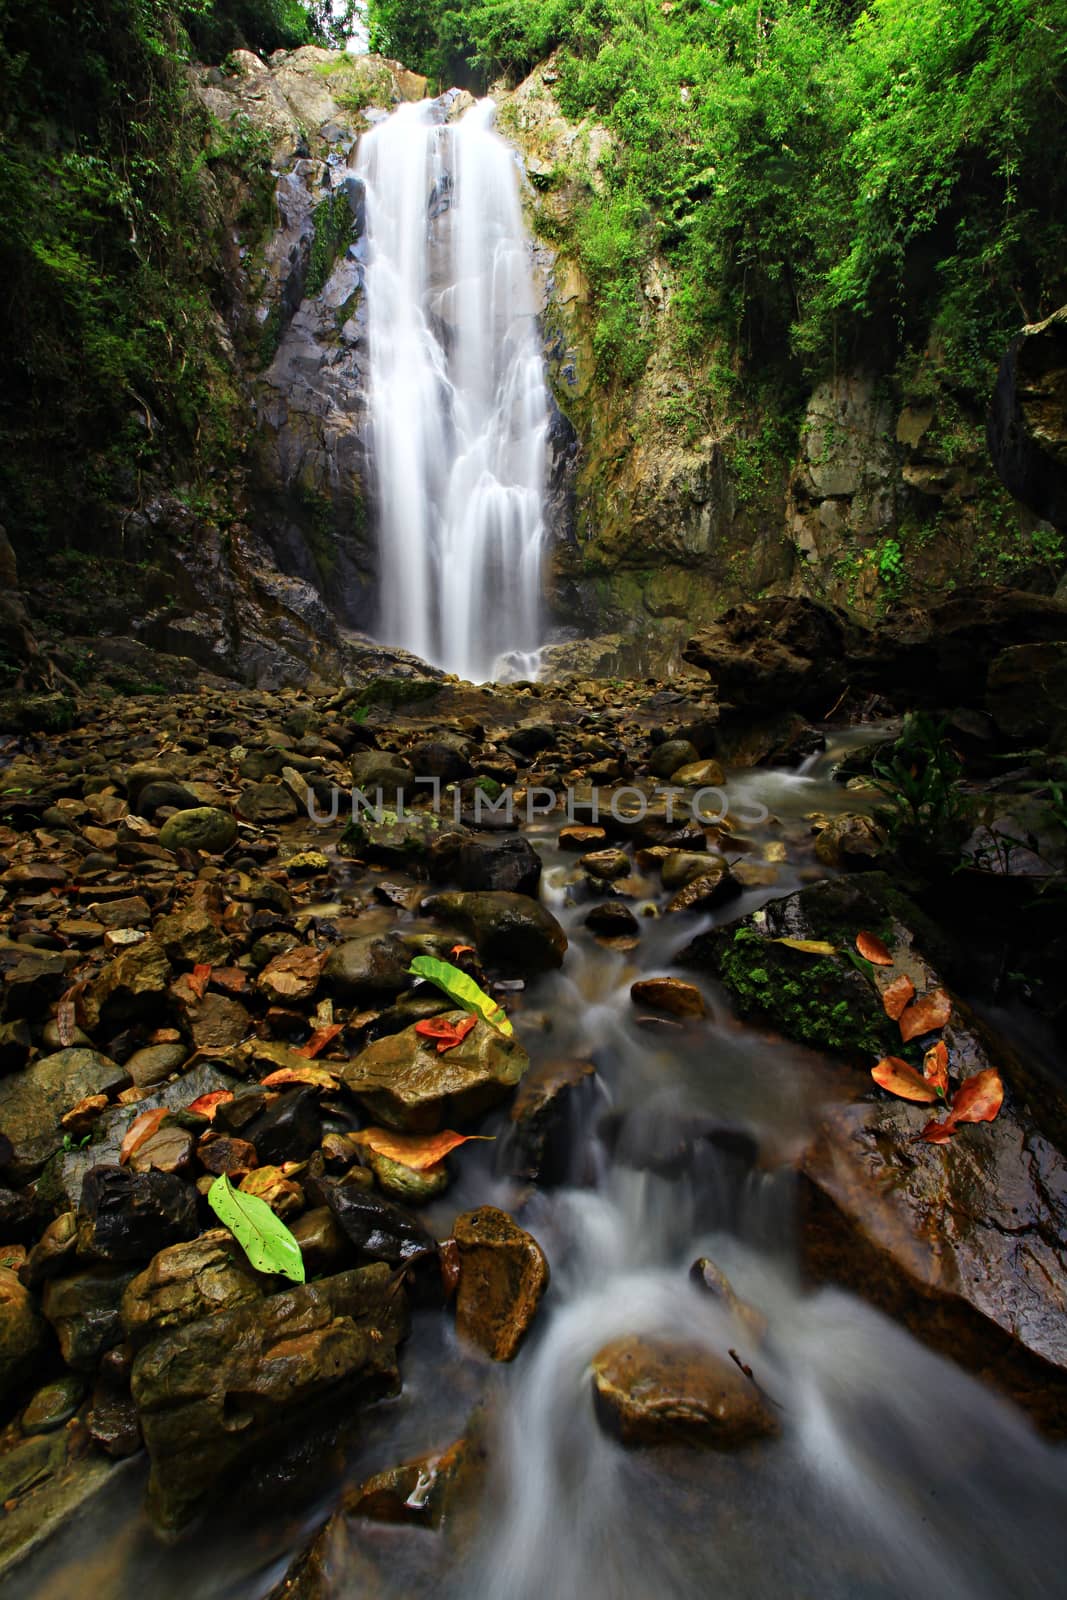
(418, 1152)
(901, 1079)
(872, 949)
(978, 1099)
(462, 950)
(205, 1105)
(938, 1132)
(447, 1032)
(140, 1129)
(199, 978)
(897, 996)
(932, 1011)
(935, 1066)
(319, 1040)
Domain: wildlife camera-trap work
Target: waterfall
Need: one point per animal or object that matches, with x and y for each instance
(457, 398)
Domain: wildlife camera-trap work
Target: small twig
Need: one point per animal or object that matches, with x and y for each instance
(747, 1370)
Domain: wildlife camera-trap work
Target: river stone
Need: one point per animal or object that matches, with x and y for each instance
(543, 1113)
(34, 983)
(414, 1186)
(366, 970)
(707, 889)
(84, 1312)
(669, 756)
(267, 805)
(131, 988)
(606, 864)
(33, 1101)
(154, 1063)
(510, 864)
(446, 759)
(128, 1215)
(21, 1333)
(379, 1230)
(201, 828)
(680, 867)
(650, 1391)
(670, 995)
(699, 775)
(216, 1022)
(323, 1243)
(187, 1281)
(404, 1083)
(192, 936)
(420, 1493)
(513, 934)
(613, 920)
(502, 1276)
(53, 1405)
(850, 843)
(374, 770)
(393, 841)
(214, 1392)
(165, 792)
(966, 1242)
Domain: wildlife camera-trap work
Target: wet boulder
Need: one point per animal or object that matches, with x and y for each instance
(544, 1112)
(851, 843)
(502, 1276)
(84, 1312)
(780, 651)
(655, 1391)
(32, 1103)
(669, 756)
(129, 1216)
(200, 828)
(131, 988)
(187, 1281)
(512, 933)
(367, 970)
(389, 839)
(403, 1081)
(377, 772)
(379, 1230)
(21, 1333)
(214, 1392)
(510, 864)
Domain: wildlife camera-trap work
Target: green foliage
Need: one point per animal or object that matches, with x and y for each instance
(333, 230)
(263, 1237)
(825, 182)
(926, 814)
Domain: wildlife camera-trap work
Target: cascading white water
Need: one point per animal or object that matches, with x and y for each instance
(457, 396)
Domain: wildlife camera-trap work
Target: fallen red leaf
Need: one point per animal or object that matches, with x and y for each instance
(938, 1132)
(205, 1105)
(901, 1079)
(872, 949)
(412, 1150)
(199, 979)
(319, 1040)
(447, 1032)
(897, 996)
(932, 1011)
(140, 1129)
(935, 1066)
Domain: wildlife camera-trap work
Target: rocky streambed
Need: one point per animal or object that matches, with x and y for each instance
(677, 1146)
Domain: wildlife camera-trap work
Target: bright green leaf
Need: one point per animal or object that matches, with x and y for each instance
(463, 990)
(263, 1237)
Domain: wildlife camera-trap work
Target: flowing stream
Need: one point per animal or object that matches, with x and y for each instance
(896, 1475)
(457, 395)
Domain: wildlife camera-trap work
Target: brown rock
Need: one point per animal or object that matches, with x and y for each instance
(403, 1081)
(503, 1274)
(187, 1281)
(650, 1391)
(671, 995)
(580, 836)
(217, 1023)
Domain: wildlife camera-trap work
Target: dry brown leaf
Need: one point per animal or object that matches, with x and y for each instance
(935, 1066)
(140, 1129)
(316, 1077)
(415, 1151)
(873, 950)
(901, 1079)
(319, 1040)
(199, 978)
(932, 1011)
(897, 996)
(294, 975)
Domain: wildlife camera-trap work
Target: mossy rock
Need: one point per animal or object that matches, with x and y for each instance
(828, 1002)
(396, 692)
(37, 713)
(393, 841)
